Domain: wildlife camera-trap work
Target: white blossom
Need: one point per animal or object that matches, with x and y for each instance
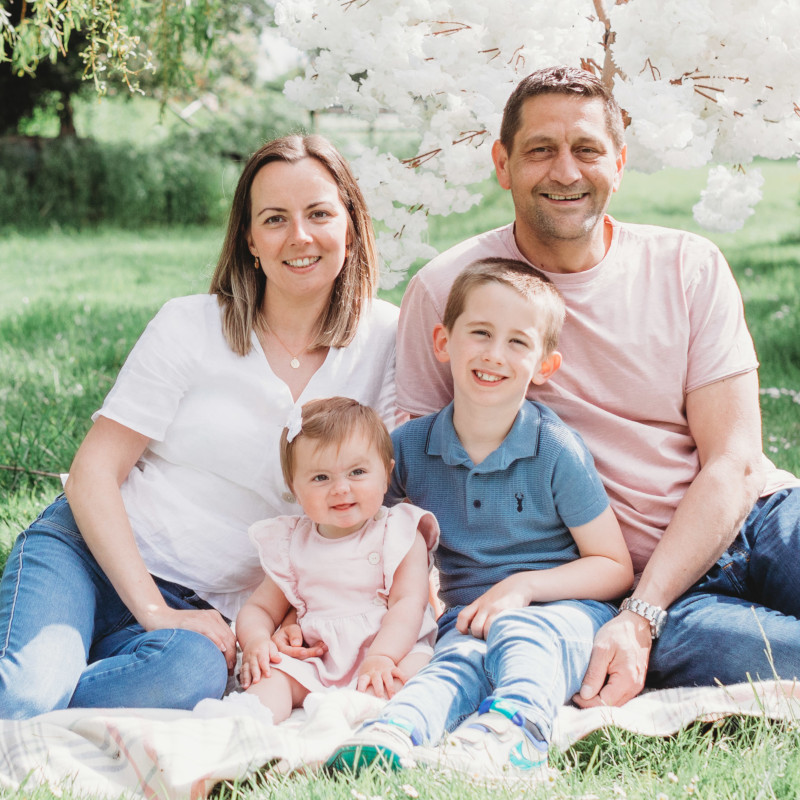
(728, 199)
(703, 82)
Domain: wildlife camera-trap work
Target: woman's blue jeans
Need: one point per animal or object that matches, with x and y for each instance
(741, 621)
(67, 640)
(534, 657)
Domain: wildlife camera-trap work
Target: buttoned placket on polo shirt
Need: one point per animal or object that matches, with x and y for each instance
(475, 497)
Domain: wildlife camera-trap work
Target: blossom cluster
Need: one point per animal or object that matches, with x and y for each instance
(703, 82)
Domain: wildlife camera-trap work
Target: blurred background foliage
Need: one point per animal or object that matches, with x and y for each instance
(131, 113)
(147, 46)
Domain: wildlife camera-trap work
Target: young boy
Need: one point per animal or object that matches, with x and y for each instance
(529, 553)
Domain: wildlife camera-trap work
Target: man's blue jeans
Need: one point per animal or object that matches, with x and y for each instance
(66, 638)
(535, 657)
(742, 619)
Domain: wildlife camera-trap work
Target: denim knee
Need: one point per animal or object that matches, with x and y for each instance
(202, 671)
(165, 668)
(46, 616)
(44, 677)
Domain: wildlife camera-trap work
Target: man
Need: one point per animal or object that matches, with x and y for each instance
(660, 379)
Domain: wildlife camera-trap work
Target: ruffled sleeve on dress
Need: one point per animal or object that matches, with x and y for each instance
(272, 538)
(402, 523)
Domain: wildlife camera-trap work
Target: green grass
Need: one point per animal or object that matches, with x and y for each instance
(704, 761)
(73, 304)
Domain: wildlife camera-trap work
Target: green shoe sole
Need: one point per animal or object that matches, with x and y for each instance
(354, 758)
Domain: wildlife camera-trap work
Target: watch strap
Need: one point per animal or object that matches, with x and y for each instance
(655, 615)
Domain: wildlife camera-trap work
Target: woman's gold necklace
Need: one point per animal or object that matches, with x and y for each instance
(295, 361)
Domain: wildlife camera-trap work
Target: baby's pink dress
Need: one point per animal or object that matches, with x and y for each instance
(340, 587)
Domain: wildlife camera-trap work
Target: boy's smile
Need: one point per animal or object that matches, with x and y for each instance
(495, 348)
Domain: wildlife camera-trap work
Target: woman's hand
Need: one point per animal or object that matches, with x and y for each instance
(256, 658)
(289, 641)
(206, 621)
(377, 675)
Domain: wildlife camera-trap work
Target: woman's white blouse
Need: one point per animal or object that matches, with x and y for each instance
(214, 419)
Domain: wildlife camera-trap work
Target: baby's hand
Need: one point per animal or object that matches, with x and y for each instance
(289, 640)
(256, 659)
(376, 675)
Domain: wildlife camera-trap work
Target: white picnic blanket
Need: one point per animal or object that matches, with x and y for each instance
(172, 755)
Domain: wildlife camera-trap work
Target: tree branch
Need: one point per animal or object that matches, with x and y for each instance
(27, 471)
(609, 69)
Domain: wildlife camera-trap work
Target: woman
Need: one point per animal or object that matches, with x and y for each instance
(120, 593)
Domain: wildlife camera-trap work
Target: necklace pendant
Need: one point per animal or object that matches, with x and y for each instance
(294, 363)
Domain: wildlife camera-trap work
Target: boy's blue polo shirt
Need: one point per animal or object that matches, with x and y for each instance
(509, 514)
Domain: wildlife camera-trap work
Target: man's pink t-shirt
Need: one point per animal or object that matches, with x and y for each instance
(659, 316)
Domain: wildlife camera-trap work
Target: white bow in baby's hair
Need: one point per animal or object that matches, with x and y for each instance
(295, 422)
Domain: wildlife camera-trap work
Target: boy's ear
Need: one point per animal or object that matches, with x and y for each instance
(546, 369)
(389, 475)
(440, 338)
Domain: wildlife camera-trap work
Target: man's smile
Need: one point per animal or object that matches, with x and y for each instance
(560, 197)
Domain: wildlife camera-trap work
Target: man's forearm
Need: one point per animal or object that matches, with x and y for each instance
(704, 524)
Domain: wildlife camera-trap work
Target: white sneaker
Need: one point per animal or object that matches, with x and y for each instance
(493, 744)
(387, 743)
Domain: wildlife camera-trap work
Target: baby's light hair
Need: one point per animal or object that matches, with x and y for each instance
(525, 280)
(330, 421)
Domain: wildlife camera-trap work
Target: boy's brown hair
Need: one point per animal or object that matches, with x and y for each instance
(525, 280)
(329, 421)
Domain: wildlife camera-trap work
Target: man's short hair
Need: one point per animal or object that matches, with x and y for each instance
(561, 80)
(525, 280)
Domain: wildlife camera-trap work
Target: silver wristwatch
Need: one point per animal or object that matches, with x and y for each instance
(655, 615)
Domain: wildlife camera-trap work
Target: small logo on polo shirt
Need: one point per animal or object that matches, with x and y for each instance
(519, 497)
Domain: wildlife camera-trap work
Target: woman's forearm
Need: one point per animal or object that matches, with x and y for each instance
(104, 525)
(102, 463)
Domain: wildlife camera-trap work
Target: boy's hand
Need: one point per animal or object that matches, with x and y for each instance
(478, 616)
(289, 641)
(256, 658)
(377, 673)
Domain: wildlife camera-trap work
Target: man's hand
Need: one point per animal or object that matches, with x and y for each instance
(256, 658)
(478, 616)
(618, 665)
(376, 675)
(289, 641)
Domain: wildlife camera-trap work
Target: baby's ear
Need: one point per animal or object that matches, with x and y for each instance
(546, 369)
(440, 339)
